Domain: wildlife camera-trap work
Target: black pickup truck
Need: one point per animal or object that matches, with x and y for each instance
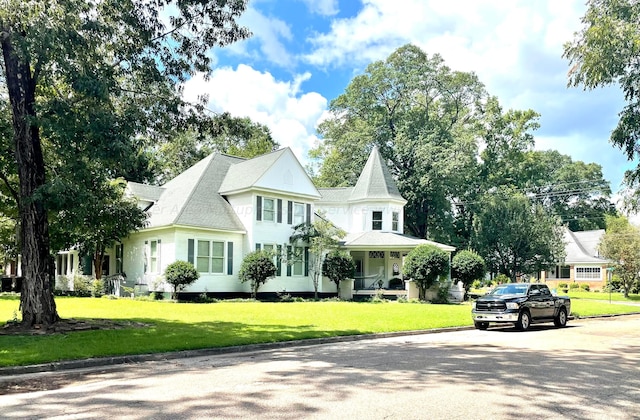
(521, 304)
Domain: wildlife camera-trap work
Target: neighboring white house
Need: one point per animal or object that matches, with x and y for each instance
(224, 207)
(582, 263)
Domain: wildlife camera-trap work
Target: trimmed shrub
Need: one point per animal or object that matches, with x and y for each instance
(257, 267)
(424, 265)
(585, 287)
(180, 274)
(574, 286)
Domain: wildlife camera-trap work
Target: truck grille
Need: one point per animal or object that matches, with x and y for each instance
(491, 306)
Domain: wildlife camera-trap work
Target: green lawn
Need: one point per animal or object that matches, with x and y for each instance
(618, 297)
(182, 326)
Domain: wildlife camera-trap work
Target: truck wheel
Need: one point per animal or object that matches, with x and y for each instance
(481, 325)
(524, 320)
(561, 319)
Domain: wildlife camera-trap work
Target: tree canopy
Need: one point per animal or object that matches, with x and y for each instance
(605, 52)
(87, 83)
(515, 236)
(220, 133)
(449, 144)
(621, 245)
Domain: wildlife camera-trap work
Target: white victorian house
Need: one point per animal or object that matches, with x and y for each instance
(224, 207)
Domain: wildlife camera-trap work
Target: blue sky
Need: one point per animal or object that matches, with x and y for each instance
(303, 54)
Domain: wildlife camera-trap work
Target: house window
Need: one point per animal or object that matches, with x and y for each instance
(395, 221)
(298, 264)
(268, 210)
(105, 265)
(210, 257)
(298, 213)
(377, 220)
(154, 257)
(588, 273)
(564, 272)
(119, 258)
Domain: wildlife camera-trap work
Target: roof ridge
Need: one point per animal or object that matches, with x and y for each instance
(194, 187)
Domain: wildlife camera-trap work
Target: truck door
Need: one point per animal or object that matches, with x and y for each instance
(536, 304)
(548, 301)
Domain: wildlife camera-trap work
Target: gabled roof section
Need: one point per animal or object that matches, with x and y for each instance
(276, 171)
(582, 247)
(192, 199)
(336, 195)
(375, 181)
(144, 192)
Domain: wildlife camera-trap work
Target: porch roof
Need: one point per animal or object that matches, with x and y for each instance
(388, 240)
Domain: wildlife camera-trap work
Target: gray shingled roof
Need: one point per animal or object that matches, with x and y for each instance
(582, 247)
(378, 239)
(375, 181)
(243, 175)
(336, 195)
(192, 199)
(145, 192)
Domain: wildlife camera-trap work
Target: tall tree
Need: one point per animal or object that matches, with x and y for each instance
(420, 114)
(515, 236)
(621, 244)
(605, 52)
(63, 56)
(221, 133)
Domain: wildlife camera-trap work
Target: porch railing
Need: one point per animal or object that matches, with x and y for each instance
(376, 280)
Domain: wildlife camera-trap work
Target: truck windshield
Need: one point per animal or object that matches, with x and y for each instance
(510, 289)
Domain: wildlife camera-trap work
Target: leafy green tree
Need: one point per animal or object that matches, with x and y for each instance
(605, 52)
(621, 245)
(421, 116)
(338, 266)
(101, 217)
(467, 266)
(180, 274)
(89, 79)
(515, 236)
(574, 191)
(424, 265)
(257, 267)
(322, 237)
(221, 133)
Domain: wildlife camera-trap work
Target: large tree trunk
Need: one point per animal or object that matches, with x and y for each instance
(36, 300)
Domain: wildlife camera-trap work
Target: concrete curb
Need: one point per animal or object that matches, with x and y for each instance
(139, 358)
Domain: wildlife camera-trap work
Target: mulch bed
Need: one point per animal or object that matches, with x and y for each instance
(65, 326)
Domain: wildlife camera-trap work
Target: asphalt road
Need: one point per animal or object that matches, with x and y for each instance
(589, 370)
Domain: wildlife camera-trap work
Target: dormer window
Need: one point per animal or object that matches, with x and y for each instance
(376, 220)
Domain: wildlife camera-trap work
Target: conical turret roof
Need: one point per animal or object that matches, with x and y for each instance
(375, 181)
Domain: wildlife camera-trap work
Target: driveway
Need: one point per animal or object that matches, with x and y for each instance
(589, 370)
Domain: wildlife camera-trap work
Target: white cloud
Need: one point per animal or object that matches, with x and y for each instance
(322, 7)
(269, 32)
(291, 116)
